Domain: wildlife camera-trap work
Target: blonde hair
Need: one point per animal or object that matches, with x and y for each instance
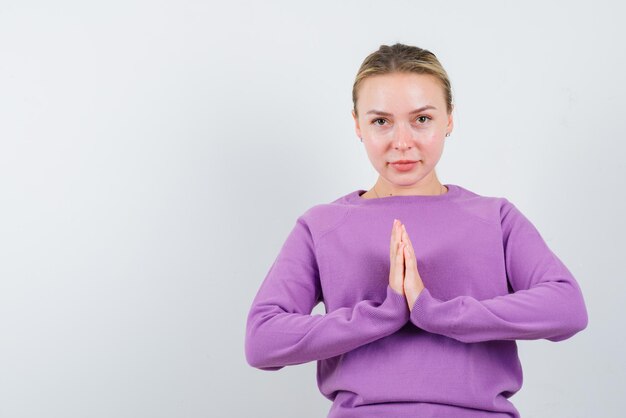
(400, 58)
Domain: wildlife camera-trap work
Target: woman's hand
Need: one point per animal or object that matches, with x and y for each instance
(396, 272)
(413, 284)
(403, 275)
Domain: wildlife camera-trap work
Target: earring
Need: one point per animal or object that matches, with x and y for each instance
(448, 134)
(361, 139)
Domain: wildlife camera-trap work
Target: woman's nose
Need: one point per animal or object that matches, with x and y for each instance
(402, 136)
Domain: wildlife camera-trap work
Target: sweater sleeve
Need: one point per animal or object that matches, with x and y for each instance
(280, 329)
(546, 301)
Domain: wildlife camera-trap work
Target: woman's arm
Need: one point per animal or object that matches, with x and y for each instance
(547, 301)
(280, 330)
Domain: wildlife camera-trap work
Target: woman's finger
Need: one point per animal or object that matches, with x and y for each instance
(409, 258)
(405, 235)
(413, 283)
(396, 273)
(409, 254)
(394, 241)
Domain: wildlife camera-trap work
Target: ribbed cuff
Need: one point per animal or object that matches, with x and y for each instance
(419, 313)
(396, 303)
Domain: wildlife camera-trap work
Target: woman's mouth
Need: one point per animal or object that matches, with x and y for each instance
(404, 165)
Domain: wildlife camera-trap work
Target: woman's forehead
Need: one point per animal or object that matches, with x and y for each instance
(400, 81)
(401, 90)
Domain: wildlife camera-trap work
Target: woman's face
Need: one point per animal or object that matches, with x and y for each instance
(403, 116)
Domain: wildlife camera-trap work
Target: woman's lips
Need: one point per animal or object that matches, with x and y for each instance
(404, 166)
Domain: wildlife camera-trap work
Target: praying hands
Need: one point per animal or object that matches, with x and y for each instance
(403, 275)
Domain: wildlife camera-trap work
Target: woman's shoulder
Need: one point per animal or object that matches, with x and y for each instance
(324, 217)
(491, 207)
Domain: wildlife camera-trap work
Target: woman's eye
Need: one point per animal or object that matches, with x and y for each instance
(421, 119)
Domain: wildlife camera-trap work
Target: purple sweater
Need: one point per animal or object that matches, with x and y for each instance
(490, 280)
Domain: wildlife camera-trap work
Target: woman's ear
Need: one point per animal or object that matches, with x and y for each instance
(357, 128)
(450, 123)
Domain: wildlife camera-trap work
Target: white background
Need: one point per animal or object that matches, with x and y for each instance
(154, 155)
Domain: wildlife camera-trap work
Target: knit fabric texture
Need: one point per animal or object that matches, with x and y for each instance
(490, 279)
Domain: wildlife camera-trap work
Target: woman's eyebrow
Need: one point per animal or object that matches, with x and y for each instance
(421, 109)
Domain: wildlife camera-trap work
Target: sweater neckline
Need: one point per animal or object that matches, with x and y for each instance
(355, 197)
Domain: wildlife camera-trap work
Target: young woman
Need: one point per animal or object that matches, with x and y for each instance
(426, 286)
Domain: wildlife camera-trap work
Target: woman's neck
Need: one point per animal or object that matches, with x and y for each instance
(380, 190)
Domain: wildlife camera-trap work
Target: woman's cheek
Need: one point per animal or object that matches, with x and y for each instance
(432, 137)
